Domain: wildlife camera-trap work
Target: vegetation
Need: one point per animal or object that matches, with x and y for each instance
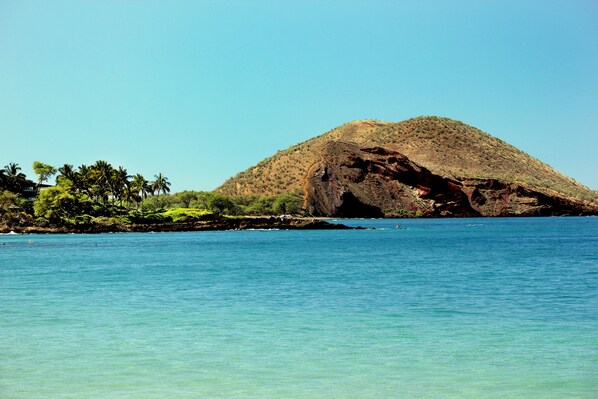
(43, 171)
(100, 193)
(80, 196)
(104, 195)
(221, 204)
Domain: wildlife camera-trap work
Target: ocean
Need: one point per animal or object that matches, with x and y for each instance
(439, 308)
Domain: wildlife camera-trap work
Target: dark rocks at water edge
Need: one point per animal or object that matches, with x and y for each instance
(218, 223)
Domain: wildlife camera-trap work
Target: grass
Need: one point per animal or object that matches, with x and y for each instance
(185, 214)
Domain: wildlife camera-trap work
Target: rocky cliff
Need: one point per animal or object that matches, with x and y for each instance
(354, 181)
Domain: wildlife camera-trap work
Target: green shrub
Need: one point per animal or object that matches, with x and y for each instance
(186, 214)
(58, 205)
(287, 204)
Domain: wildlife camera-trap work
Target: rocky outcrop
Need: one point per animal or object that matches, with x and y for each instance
(213, 224)
(373, 181)
(493, 197)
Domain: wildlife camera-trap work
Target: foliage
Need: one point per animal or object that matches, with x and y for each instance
(186, 214)
(221, 204)
(11, 206)
(14, 208)
(86, 194)
(105, 195)
(204, 200)
(280, 204)
(226, 205)
(258, 205)
(12, 179)
(57, 204)
(161, 184)
(287, 204)
(44, 171)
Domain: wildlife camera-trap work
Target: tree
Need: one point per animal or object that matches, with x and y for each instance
(100, 175)
(261, 205)
(161, 184)
(82, 180)
(8, 202)
(57, 204)
(13, 170)
(287, 203)
(119, 181)
(43, 171)
(141, 185)
(13, 207)
(183, 199)
(221, 204)
(12, 178)
(67, 176)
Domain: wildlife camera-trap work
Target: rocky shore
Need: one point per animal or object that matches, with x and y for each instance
(218, 223)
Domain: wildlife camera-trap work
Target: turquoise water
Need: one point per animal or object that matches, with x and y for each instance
(462, 308)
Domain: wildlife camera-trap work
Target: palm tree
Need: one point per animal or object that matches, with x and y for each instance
(83, 179)
(13, 169)
(100, 175)
(118, 183)
(67, 174)
(13, 178)
(141, 185)
(131, 195)
(161, 184)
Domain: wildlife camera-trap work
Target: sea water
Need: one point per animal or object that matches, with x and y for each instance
(460, 308)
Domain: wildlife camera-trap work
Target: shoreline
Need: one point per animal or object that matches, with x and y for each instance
(217, 224)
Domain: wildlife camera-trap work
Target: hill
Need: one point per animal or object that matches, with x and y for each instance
(421, 166)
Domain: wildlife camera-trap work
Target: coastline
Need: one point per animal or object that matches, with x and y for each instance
(216, 224)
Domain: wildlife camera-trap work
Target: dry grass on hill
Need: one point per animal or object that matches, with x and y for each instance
(444, 146)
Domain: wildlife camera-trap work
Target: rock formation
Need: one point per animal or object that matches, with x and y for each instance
(354, 181)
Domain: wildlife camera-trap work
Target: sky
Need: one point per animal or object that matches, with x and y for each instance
(201, 90)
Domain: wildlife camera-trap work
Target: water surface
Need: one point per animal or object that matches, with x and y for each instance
(460, 308)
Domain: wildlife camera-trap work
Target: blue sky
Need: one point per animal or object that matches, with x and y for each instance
(200, 90)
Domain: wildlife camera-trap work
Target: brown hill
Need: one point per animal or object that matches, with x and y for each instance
(427, 166)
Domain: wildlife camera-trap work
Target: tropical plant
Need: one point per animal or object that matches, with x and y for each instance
(12, 178)
(161, 184)
(13, 170)
(287, 204)
(119, 182)
(100, 176)
(43, 171)
(82, 193)
(221, 204)
(8, 202)
(66, 176)
(131, 195)
(141, 185)
(58, 204)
